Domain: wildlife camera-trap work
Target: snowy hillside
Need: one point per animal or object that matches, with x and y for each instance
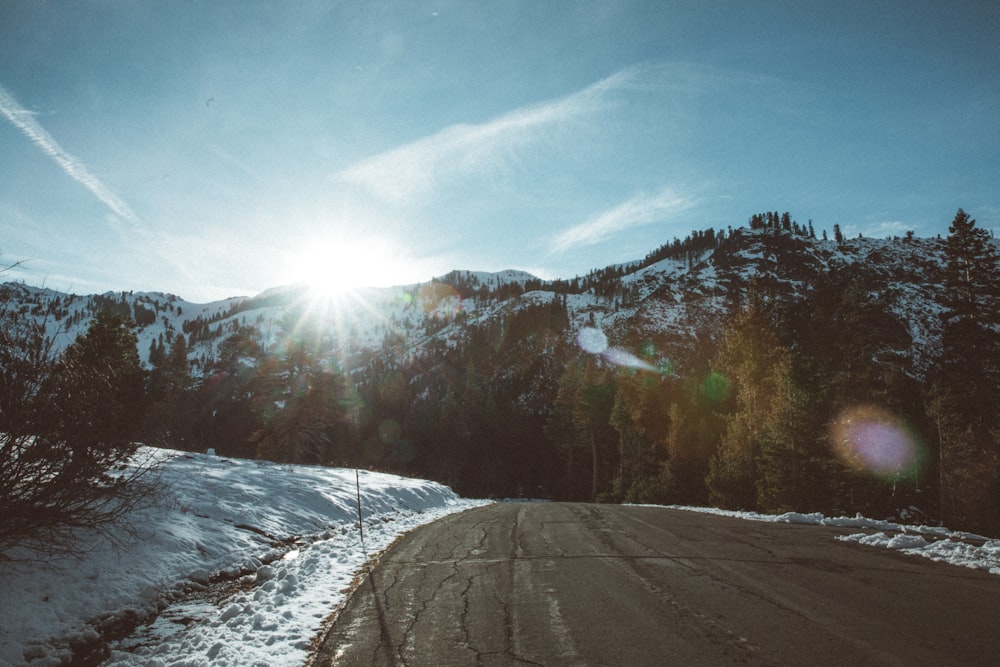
(238, 563)
(685, 293)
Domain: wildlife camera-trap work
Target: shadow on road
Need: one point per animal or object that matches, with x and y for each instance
(383, 623)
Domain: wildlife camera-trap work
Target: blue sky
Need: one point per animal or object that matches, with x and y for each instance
(213, 149)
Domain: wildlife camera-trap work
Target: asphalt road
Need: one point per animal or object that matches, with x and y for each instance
(571, 584)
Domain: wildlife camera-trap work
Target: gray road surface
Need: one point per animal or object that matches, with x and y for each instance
(571, 584)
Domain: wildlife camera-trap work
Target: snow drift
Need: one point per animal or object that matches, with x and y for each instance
(282, 539)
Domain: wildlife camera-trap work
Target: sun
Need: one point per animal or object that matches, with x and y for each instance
(331, 269)
(335, 267)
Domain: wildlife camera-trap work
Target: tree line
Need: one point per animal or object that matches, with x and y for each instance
(756, 416)
(803, 404)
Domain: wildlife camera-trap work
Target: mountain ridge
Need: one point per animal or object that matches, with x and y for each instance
(686, 292)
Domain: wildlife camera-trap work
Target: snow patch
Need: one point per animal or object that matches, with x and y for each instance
(937, 543)
(238, 564)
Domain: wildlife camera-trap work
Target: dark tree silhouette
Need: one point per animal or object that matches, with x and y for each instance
(66, 423)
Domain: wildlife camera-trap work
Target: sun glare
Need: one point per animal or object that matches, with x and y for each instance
(334, 267)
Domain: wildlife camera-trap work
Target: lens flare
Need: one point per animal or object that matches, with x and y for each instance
(716, 387)
(871, 439)
(594, 341)
(620, 357)
(440, 300)
(389, 431)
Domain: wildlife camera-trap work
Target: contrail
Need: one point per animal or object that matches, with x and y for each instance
(25, 121)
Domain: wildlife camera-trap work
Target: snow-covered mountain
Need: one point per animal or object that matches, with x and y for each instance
(681, 291)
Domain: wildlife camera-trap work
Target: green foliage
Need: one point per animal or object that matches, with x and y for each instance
(731, 480)
(579, 423)
(296, 404)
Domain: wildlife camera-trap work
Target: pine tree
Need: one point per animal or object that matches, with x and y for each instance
(966, 382)
(68, 430)
(97, 392)
(641, 416)
(972, 287)
(691, 441)
(838, 235)
(295, 400)
(579, 425)
(844, 337)
(171, 418)
(759, 368)
(786, 221)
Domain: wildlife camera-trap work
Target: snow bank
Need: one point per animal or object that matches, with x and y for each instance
(934, 542)
(955, 551)
(286, 534)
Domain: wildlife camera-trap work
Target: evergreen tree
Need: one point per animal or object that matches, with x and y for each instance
(222, 399)
(972, 286)
(561, 427)
(69, 427)
(296, 403)
(843, 337)
(966, 383)
(753, 360)
(170, 419)
(696, 429)
(579, 425)
(639, 417)
(786, 221)
(96, 395)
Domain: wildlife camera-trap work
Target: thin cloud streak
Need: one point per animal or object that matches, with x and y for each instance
(401, 174)
(635, 212)
(24, 120)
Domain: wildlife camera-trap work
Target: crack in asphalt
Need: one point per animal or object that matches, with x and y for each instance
(713, 630)
(459, 554)
(463, 618)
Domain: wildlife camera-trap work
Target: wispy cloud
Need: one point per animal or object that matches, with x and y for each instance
(24, 120)
(406, 172)
(635, 212)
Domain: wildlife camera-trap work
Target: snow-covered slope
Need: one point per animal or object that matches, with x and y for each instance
(238, 563)
(683, 295)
